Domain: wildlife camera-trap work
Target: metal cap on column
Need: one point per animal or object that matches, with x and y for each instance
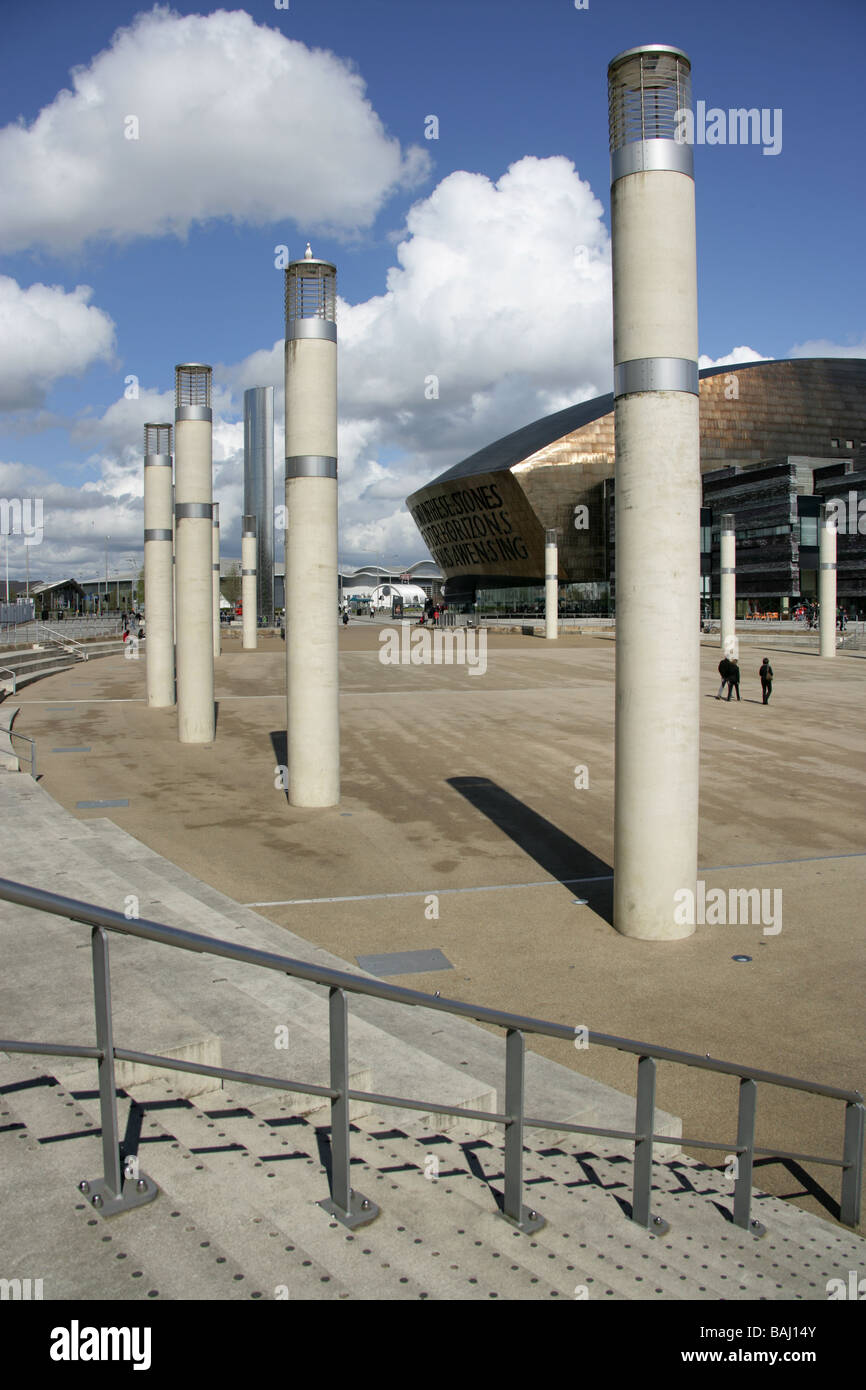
(249, 581)
(158, 561)
(313, 730)
(657, 493)
(193, 436)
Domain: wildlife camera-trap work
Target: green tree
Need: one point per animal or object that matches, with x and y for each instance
(139, 588)
(231, 585)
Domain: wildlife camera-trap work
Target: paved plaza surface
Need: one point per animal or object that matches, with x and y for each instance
(459, 798)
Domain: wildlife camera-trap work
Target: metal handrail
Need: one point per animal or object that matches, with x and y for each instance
(7, 670)
(13, 733)
(69, 643)
(113, 1193)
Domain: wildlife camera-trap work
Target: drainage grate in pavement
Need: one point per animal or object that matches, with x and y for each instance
(92, 805)
(71, 750)
(405, 962)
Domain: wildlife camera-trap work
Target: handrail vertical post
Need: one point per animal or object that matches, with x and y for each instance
(852, 1157)
(105, 1042)
(112, 1192)
(512, 1203)
(345, 1205)
(745, 1157)
(644, 1122)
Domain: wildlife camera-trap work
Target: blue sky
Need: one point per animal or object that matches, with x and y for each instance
(480, 257)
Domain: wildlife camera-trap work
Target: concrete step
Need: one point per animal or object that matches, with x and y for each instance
(47, 1233)
(184, 1258)
(231, 1001)
(458, 1044)
(389, 1065)
(199, 1239)
(404, 1248)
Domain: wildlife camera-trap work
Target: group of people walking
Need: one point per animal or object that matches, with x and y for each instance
(729, 671)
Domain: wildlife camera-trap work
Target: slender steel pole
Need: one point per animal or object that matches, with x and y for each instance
(852, 1157)
(105, 1042)
(745, 1155)
(643, 1146)
(515, 1049)
(340, 1160)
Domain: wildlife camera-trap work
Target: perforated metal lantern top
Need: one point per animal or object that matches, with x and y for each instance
(646, 88)
(157, 439)
(311, 291)
(192, 384)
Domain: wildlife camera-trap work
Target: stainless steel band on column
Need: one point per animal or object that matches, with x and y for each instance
(251, 573)
(830, 566)
(201, 511)
(156, 534)
(656, 374)
(728, 571)
(311, 466)
(157, 460)
(312, 328)
(641, 156)
(215, 567)
(193, 412)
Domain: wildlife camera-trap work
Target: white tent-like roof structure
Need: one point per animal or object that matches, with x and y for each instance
(411, 594)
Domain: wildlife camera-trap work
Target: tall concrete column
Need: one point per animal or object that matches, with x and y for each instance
(551, 585)
(728, 577)
(215, 566)
(193, 446)
(248, 583)
(158, 566)
(313, 724)
(658, 494)
(259, 489)
(827, 581)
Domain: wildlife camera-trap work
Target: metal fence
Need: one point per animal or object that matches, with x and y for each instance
(70, 629)
(116, 1191)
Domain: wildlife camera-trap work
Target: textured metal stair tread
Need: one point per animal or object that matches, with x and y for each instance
(41, 1220)
(587, 1233)
(819, 1251)
(685, 1178)
(172, 1262)
(470, 1211)
(406, 1247)
(197, 1237)
(551, 1087)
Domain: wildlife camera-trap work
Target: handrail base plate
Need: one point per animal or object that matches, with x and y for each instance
(137, 1192)
(361, 1210)
(529, 1221)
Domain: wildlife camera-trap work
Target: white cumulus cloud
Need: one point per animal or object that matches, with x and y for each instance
(47, 332)
(184, 118)
(735, 357)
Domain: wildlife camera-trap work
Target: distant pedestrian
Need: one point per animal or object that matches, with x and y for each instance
(766, 674)
(733, 679)
(345, 618)
(724, 672)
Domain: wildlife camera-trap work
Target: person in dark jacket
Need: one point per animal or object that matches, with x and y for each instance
(724, 672)
(733, 679)
(766, 674)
